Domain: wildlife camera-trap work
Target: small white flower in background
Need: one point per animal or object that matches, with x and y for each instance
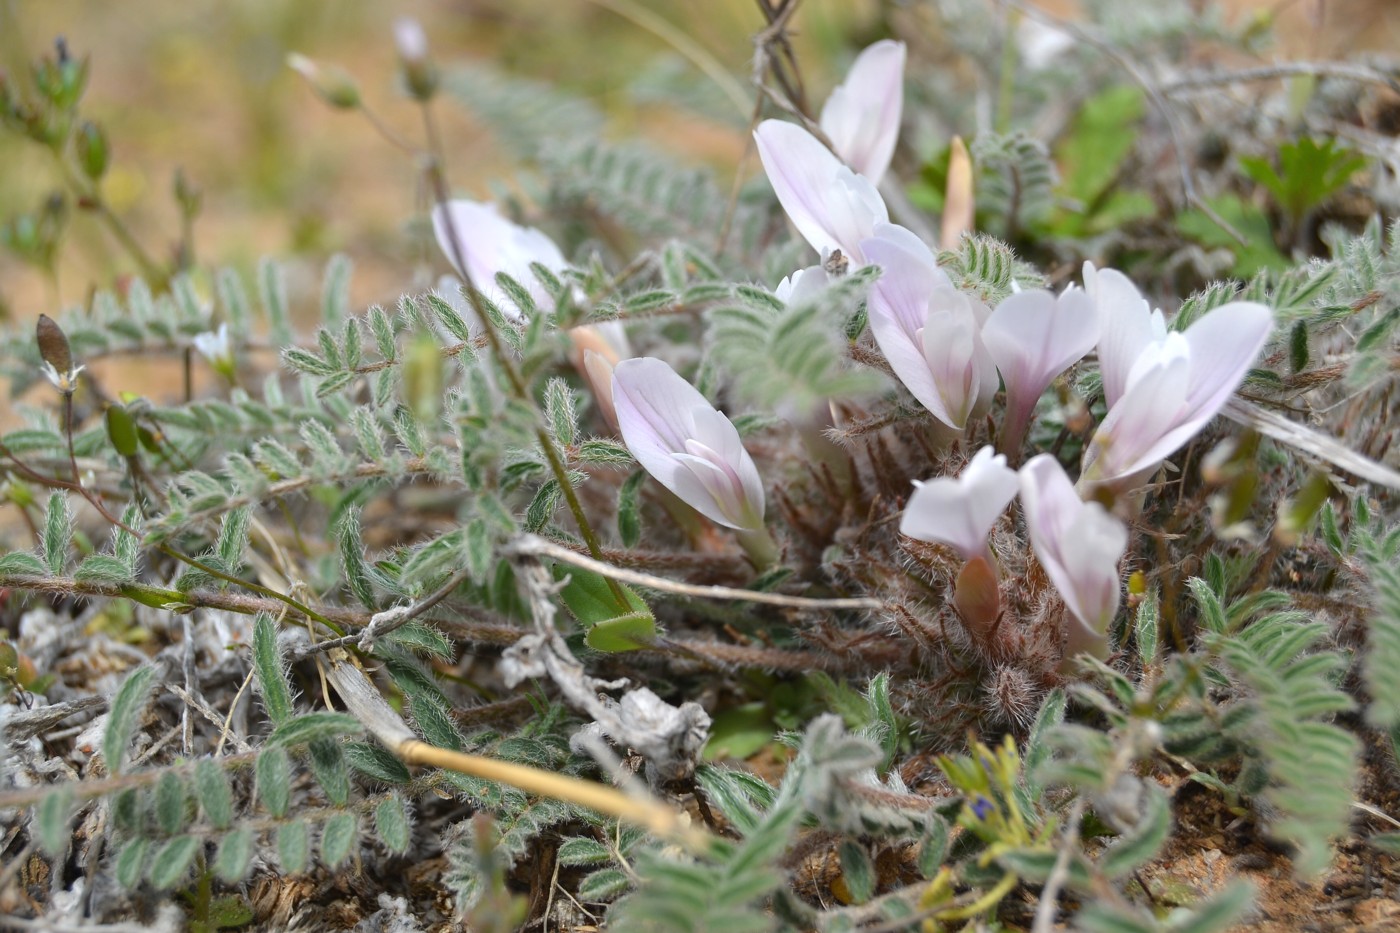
(491, 244)
(861, 117)
(1171, 385)
(213, 345)
(1034, 336)
(216, 347)
(830, 205)
(685, 444)
(961, 512)
(802, 285)
(410, 39)
(930, 333)
(1079, 544)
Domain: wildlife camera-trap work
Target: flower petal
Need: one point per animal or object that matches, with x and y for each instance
(1143, 427)
(861, 117)
(961, 512)
(1078, 543)
(831, 207)
(492, 244)
(1035, 335)
(1125, 326)
(1224, 343)
(685, 444)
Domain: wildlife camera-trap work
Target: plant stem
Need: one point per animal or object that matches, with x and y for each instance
(437, 179)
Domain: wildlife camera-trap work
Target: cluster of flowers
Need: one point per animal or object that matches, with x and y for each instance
(948, 348)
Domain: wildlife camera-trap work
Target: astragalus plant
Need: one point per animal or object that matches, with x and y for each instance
(731, 551)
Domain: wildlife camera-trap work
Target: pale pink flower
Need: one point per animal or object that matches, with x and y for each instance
(930, 333)
(1079, 544)
(1035, 336)
(861, 117)
(491, 244)
(1173, 387)
(961, 512)
(685, 444)
(831, 206)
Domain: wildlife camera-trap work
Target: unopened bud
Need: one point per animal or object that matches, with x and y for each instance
(423, 379)
(121, 430)
(978, 598)
(187, 194)
(418, 72)
(332, 84)
(53, 344)
(959, 204)
(91, 145)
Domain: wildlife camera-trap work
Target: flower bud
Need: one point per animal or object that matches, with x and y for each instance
(53, 344)
(91, 146)
(418, 72)
(332, 84)
(121, 430)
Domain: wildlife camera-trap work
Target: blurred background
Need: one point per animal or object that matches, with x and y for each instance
(202, 87)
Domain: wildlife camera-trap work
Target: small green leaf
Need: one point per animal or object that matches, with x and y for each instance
(215, 796)
(603, 885)
(267, 666)
(55, 812)
(131, 861)
(391, 824)
(125, 714)
(328, 764)
(22, 564)
(376, 762)
(1298, 347)
(230, 912)
(1140, 844)
(235, 855)
(858, 871)
(581, 852)
(58, 533)
(274, 770)
(172, 862)
(293, 847)
(338, 838)
(422, 639)
(629, 512)
(170, 803)
(103, 569)
(610, 627)
(312, 726)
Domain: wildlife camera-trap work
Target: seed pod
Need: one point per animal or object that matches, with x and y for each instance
(91, 145)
